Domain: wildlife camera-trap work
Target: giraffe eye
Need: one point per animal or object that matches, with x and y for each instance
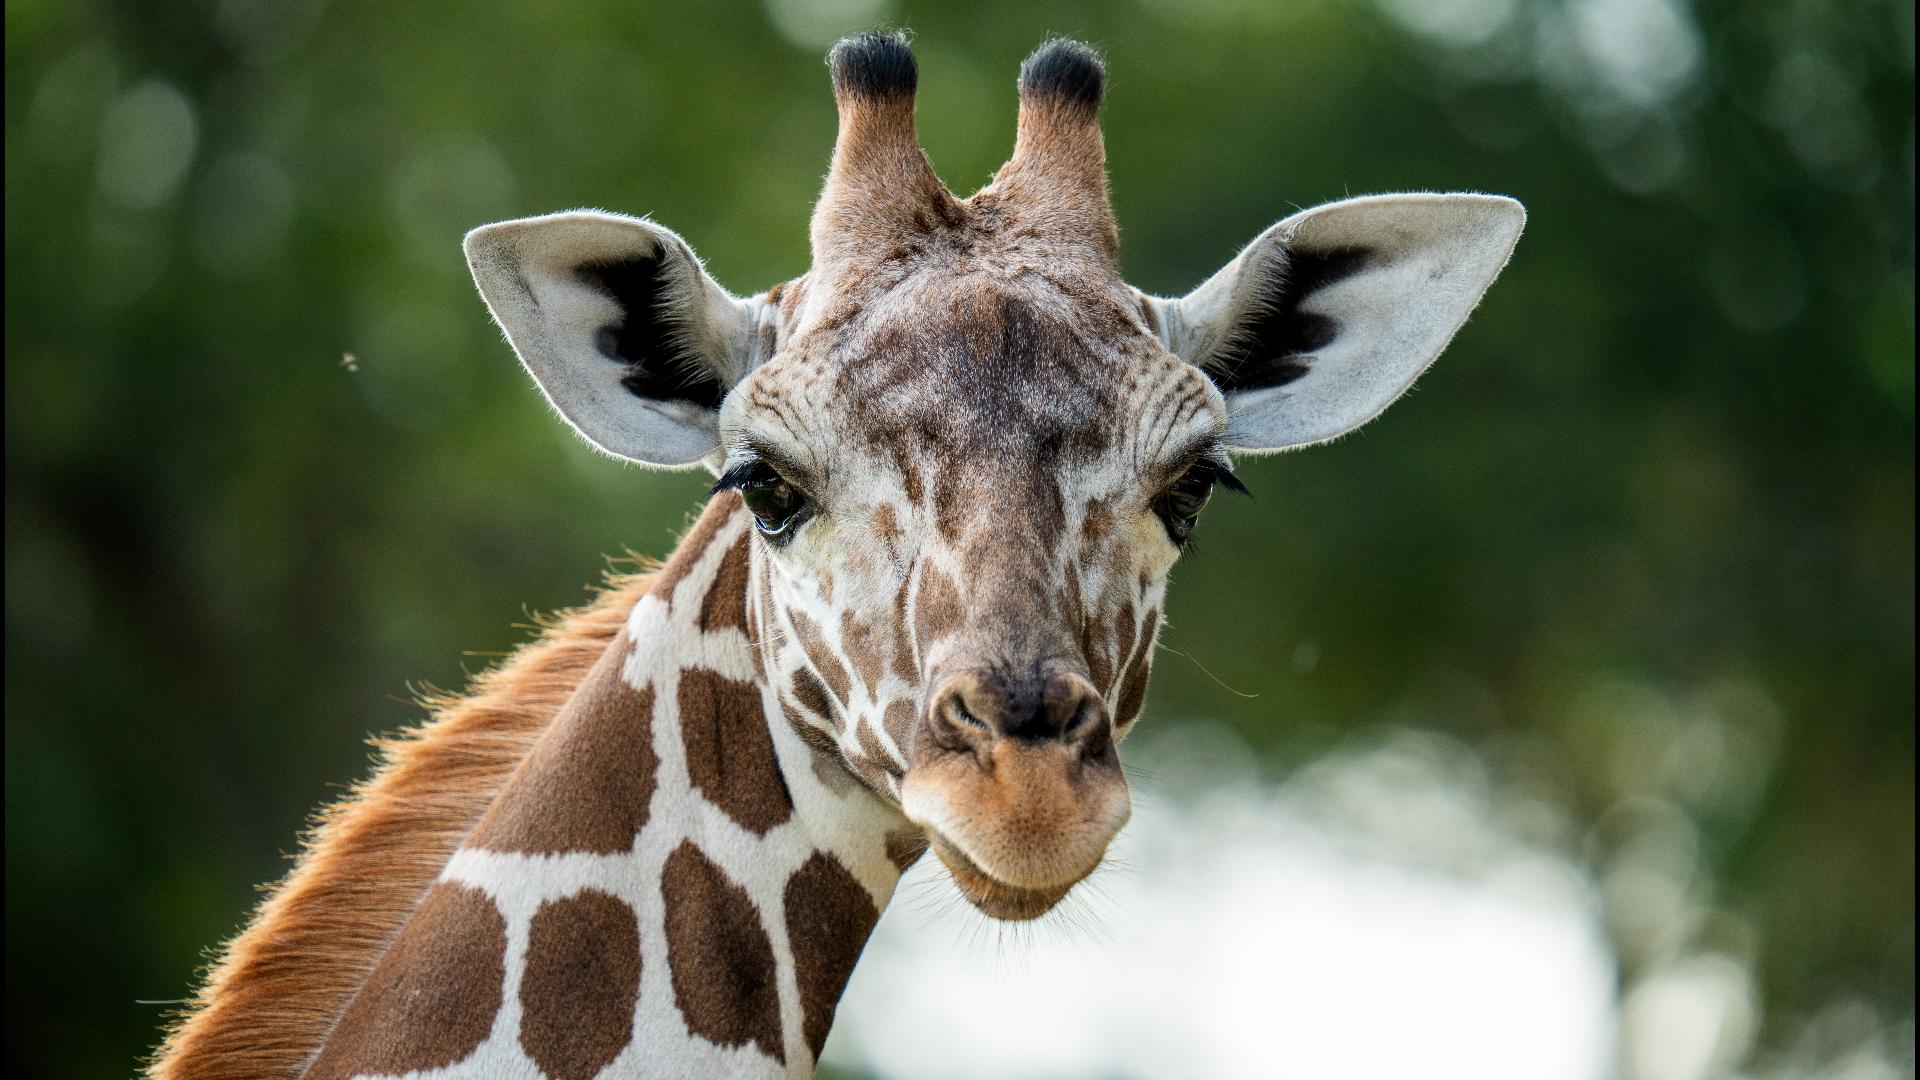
(778, 508)
(1179, 507)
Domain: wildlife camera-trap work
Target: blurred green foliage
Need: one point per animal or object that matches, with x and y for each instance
(1644, 538)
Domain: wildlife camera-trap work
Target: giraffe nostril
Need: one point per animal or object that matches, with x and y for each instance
(1036, 710)
(1083, 714)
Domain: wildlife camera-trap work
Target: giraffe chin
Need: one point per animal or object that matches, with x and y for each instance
(1016, 840)
(1011, 903)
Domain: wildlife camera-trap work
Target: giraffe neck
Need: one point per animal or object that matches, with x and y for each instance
(673, 882)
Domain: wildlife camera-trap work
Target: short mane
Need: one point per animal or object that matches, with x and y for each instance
(277, 989)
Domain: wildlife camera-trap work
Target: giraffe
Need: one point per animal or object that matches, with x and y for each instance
(956, 460)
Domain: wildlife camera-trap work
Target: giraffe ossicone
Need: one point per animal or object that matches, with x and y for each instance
(956, 460)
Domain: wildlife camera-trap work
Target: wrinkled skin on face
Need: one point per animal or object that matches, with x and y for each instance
(967, 609)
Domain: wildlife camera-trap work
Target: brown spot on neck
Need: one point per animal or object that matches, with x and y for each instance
(431, 1000)
(581, 982)
(589, 781)
(720, 958)
(829, 917)
(730, 756)
(725, 605)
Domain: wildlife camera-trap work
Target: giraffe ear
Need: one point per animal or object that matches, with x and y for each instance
(1330, 315)
(616, 320)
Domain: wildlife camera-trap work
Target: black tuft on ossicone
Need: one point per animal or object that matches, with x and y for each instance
(1067, 71)
(877, 64)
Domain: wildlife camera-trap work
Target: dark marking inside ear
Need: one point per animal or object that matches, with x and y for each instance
(1067, 71)
(660, 366)
(877, 64)
(1274, 345)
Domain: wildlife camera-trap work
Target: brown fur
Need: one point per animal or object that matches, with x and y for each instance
(720, 958)
(581, 983)
(432, 997)
(822, 894)
(277, 990)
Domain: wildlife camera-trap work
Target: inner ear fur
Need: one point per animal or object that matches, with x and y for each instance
(651, 337)
(1327, 317)
(620, 326)
(1273, 341)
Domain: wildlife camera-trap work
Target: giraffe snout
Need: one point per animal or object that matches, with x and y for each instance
(1045, 707)
(1017, 782)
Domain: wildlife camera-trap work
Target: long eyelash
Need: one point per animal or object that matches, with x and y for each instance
(1221, 475)
(737, 477)
(1210, 454)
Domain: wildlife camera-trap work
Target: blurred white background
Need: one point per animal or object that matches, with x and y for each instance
(1389, 911)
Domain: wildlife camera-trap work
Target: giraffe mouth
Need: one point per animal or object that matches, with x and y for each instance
(993, 896)
(1017, 825)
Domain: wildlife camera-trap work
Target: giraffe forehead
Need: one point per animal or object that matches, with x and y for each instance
(981, 364)
(984, 378)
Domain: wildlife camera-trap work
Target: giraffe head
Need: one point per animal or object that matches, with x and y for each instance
(972, 451)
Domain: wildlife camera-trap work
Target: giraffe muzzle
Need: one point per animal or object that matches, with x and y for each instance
(1018, 785)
